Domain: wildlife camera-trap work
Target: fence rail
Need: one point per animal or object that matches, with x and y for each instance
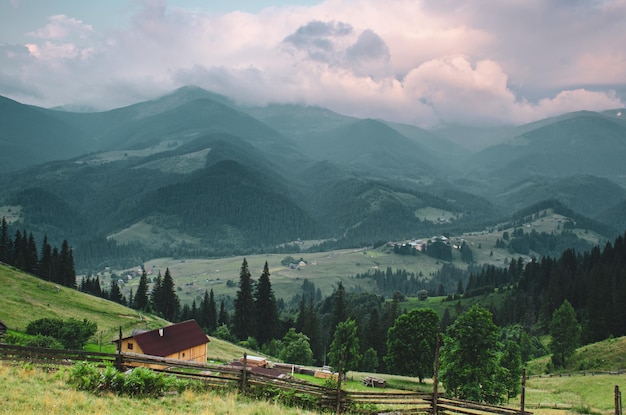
(222, 376)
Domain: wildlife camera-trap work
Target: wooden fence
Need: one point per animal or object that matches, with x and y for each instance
(256, 383)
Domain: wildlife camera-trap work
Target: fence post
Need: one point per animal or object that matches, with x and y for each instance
(523, 394)
(618, 401)
(436, 377)
(244, 373)
(118, 358)
(339, 377)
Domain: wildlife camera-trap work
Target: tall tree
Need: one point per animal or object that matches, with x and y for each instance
(223, 318)
(67, 273)
(565, 331)
(411, 343)
(20, 246)
(140, 302)
(469, 366)
(511, 362)
(344, 350)
(244, 319)
(156, 296)
(170, 305)
(208, 312)
(339, 313)
(45, 262)
(115, 294)
(265, 305)
(5, 242)
(32, 257)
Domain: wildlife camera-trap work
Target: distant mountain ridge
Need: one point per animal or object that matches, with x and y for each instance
(230, 179)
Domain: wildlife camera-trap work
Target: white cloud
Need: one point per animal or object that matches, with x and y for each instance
(419, 62)
(62, 27)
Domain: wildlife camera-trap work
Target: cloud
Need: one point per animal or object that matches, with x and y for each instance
(62, 27)
(417, 62)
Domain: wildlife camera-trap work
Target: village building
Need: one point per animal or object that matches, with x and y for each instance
(182, 341)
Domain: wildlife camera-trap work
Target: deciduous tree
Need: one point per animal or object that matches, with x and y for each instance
(411, 343)
(469, 366)
(344, 349)
(565, 331)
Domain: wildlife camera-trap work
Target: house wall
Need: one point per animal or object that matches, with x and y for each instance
(131, 346)
(196, 354)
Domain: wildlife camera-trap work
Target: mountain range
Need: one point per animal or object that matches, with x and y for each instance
(194, 173)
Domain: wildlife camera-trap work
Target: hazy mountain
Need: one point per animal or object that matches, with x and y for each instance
(583, 143)
(192, 173)
(30, 136)
(588, 195)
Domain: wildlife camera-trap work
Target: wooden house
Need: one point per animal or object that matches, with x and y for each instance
(182, 341)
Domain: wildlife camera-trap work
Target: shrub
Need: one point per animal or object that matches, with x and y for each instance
(139, 382)
(42, 341)
(72, 333)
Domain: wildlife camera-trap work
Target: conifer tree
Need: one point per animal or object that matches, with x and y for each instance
(32, 257)
(140, 302)
(339, 307)
(223, 319)
(265, 305)
(115, 294)
(170, 305)
(208, 312)
(244, 318)
(19, 250)
(156, 294)
(66, 271)
(5, 242)
(45, 263)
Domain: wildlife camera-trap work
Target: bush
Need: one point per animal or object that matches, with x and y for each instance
(72, 333)
(42, 341)
(139, 382)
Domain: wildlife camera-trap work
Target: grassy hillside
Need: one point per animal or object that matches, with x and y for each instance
(26, 298)
(605, 356)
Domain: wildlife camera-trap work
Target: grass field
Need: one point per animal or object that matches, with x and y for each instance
(28, 390)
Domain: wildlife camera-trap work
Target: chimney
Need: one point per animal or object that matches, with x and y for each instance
(161, 332)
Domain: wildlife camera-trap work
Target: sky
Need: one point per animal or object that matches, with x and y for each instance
(426, 63)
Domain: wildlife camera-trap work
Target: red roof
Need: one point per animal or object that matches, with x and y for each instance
(171, 339)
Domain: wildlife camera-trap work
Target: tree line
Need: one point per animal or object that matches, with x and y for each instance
(49, 263)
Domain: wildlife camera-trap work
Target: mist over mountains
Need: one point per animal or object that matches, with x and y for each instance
(193, 173)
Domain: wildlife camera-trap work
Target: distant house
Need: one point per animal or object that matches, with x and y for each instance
(182, 341)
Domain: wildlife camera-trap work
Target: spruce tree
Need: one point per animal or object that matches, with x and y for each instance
(157, 294)
(5, 242)
(45, 263)
(339, 307)
(140, 302)
(32, 257)
(223, 319)
(115, 294)
(171, 304)
(67, 273)
(207, 312)
(244, 318)
(19, 250)
(266, 312)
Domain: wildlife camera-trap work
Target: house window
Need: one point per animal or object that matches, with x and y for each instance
(130, 346)
(183, 354)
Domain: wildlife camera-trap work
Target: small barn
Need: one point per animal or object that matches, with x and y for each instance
(182, 341)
